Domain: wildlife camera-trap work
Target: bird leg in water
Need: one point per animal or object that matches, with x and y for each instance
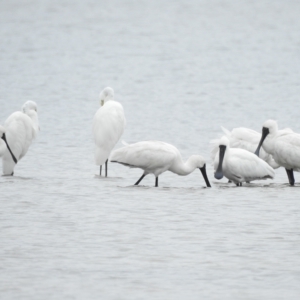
(100, 170)
(239, 184)
(156, 181)
(140, 179)
(290, 175)
(106, 168)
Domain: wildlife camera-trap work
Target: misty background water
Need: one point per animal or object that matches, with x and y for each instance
(181, 70)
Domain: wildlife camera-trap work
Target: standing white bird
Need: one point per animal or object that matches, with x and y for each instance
(156, 157)
(20, 129)
(239, 165)
(108, 126)
(283, 145)
(244, 138)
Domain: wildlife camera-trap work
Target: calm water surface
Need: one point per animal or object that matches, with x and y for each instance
(181, 70)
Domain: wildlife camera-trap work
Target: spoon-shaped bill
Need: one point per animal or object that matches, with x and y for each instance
(219, 172)
(203, 171)
(265, 132)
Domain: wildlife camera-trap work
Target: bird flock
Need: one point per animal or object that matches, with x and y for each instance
(241, 155)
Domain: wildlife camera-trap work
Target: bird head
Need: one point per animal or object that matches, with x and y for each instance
(106, 95)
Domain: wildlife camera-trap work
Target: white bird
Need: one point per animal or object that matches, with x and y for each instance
(239, 165)
(283, 145)
(108, 126)
(156, 157)
(246, 139)
(3, 147)
(20, 130)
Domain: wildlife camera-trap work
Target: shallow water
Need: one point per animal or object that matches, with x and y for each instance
(181, 70)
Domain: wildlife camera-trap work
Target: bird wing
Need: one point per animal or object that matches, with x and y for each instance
(108, 126)
(147, 155)
(247, 165)
(287, 150)
(19, 131)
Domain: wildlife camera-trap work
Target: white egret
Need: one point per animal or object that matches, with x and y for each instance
(244, 138)
(20, 129)
(283, 145)
(239, 165)
(108, 126)
(156, 157)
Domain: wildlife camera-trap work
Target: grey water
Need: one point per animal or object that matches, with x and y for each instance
(181, 69)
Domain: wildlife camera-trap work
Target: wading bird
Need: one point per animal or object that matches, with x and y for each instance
(156, 157)
(244, 138)
(20, 130)
(108, 126)
(283, 145)
(239, 165)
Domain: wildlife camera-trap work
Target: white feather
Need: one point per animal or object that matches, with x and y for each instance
(108, 126)
(246, 139)
(240, 165)
(20, 130)
(156, 157)
(3, 147)
(283, 145)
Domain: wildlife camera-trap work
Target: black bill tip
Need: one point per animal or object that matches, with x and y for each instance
(203, 171)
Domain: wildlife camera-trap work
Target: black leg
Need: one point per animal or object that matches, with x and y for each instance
(290, 174)
(106, 168)
(100, 170)
(140, 179)
(156, 181)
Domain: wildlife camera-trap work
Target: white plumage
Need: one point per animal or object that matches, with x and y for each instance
(156, 157)
(283, 145)
(239, 165)
(20, 130)
(3, 147)
(108, 126)
(243, 138)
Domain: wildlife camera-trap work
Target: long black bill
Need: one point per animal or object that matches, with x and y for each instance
(12, 155)
(265, 132)
(203, 171)
(219, 172)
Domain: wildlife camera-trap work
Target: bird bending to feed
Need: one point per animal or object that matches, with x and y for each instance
(108, 126)
(283, 145)
(20, 130)
(239, 165)
(244, 138)
(156, 157)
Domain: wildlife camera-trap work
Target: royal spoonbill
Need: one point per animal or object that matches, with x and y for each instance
(156, 157)
(239, 165)
(20, 130)
(108, 126)
(243, 138)
(283, 145)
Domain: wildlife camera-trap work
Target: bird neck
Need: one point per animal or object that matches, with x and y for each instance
(35, 120)
(183, 168)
